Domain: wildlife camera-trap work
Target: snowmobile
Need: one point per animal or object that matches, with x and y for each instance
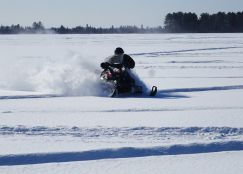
(117, 81)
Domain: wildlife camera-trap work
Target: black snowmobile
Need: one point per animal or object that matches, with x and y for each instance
(117, 81)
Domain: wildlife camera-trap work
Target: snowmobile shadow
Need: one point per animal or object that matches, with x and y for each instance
(173, 93)
(169, 95)
(202, 89)
(29, 96)
(160, 95)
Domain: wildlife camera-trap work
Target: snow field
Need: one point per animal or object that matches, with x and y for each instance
(52, 113)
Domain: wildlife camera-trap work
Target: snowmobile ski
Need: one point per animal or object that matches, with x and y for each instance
(153, 91)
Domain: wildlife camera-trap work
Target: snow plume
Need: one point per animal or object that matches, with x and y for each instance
(72, 75)
(138, 81)
(75, 76)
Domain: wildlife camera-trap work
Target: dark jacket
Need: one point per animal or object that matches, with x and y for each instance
(123, 59)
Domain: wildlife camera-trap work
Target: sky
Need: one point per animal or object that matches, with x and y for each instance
(105, 13)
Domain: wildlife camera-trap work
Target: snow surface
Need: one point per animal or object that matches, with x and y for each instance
(54, 119)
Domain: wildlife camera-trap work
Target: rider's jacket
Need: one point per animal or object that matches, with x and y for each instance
(124, 59)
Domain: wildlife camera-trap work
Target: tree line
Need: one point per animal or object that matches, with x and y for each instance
(37, 27)
(93, 30)
(178, 22)
(220, 22)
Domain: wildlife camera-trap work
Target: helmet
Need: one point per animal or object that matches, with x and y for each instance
(119, 50)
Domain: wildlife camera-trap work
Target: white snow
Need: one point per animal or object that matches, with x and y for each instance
(53, 115)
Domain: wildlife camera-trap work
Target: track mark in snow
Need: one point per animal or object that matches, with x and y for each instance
(28, 96)
(154, 54)
(6, 112)
(125, 152)
(124, 132)
(207, 61)
(157, 66)
(170, 109)
(195, 77)
(134, 110)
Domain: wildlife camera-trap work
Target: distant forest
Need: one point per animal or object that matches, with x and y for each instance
(38, 28)
(216, 23)
(178, 22)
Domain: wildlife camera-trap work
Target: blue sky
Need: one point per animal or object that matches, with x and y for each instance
(105, 13)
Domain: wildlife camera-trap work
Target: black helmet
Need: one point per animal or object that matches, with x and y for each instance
(119, 50)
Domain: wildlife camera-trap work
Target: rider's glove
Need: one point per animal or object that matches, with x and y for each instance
(104, 65)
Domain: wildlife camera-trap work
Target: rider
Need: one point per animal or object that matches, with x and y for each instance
(120, 58)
